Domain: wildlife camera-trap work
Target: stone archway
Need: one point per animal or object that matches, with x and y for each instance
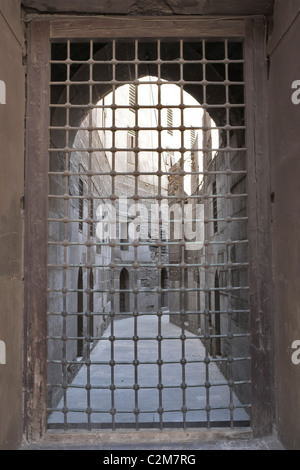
(80, 94)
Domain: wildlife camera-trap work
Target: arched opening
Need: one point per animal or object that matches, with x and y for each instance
(217, 315)
(91, 304)
(124, 291)
(198, 304)
(165, 286)
(80, 323)
(214, 52)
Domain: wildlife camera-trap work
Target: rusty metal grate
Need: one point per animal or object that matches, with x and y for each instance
(148, 315)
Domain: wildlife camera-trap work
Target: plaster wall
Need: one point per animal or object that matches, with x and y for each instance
(285, 164)
(11, 222)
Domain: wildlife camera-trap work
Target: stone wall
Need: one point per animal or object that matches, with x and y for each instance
(12, 73)
(285, 168)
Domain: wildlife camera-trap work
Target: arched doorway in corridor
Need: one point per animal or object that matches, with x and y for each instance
(124, 291)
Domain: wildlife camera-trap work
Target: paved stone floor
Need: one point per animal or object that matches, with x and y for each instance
(148, 398)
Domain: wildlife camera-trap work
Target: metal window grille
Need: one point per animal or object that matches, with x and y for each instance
(157, 334)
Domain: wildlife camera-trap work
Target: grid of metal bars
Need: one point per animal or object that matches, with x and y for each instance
(219, 192)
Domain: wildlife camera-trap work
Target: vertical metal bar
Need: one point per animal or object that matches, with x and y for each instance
(89, 257)
(207, 315)
(184, 270)
(159, 319)
(64, 352)
(113, 190)
(229, 247)
(135, 272)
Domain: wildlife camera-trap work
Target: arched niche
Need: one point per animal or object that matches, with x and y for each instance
(124, 286)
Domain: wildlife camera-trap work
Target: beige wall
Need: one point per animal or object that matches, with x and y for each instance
(285, 161)
(11, 222)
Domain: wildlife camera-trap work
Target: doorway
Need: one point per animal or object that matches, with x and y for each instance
(124, 291)
(74, 98)
(155, 142)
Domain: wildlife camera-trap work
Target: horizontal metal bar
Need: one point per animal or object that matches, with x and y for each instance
(167, 387)
(144, 62)
(159, 290)
(182, 337)
(50, 219)
(143, 412)
(91, 363)
(137, 244)
(136, 197)
(88, 174)
(161, 313)
(145, 387)
(137, 128)
(109, 266)
(138, 150)
(153, 198)
(164, 265)
(205, 106)
(158, 267)
(137, 83)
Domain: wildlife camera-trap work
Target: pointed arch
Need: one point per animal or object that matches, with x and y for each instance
(165, 286)
(124, 286)
(91, 303)
(80, 313)
(217, 315)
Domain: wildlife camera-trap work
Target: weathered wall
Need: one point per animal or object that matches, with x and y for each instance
(11, 222)
(153, 7)
(285, 161)
(284, 126)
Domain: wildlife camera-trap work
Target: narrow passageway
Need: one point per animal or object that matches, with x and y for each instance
(148, 231)
(147, 209)
(147, 377)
